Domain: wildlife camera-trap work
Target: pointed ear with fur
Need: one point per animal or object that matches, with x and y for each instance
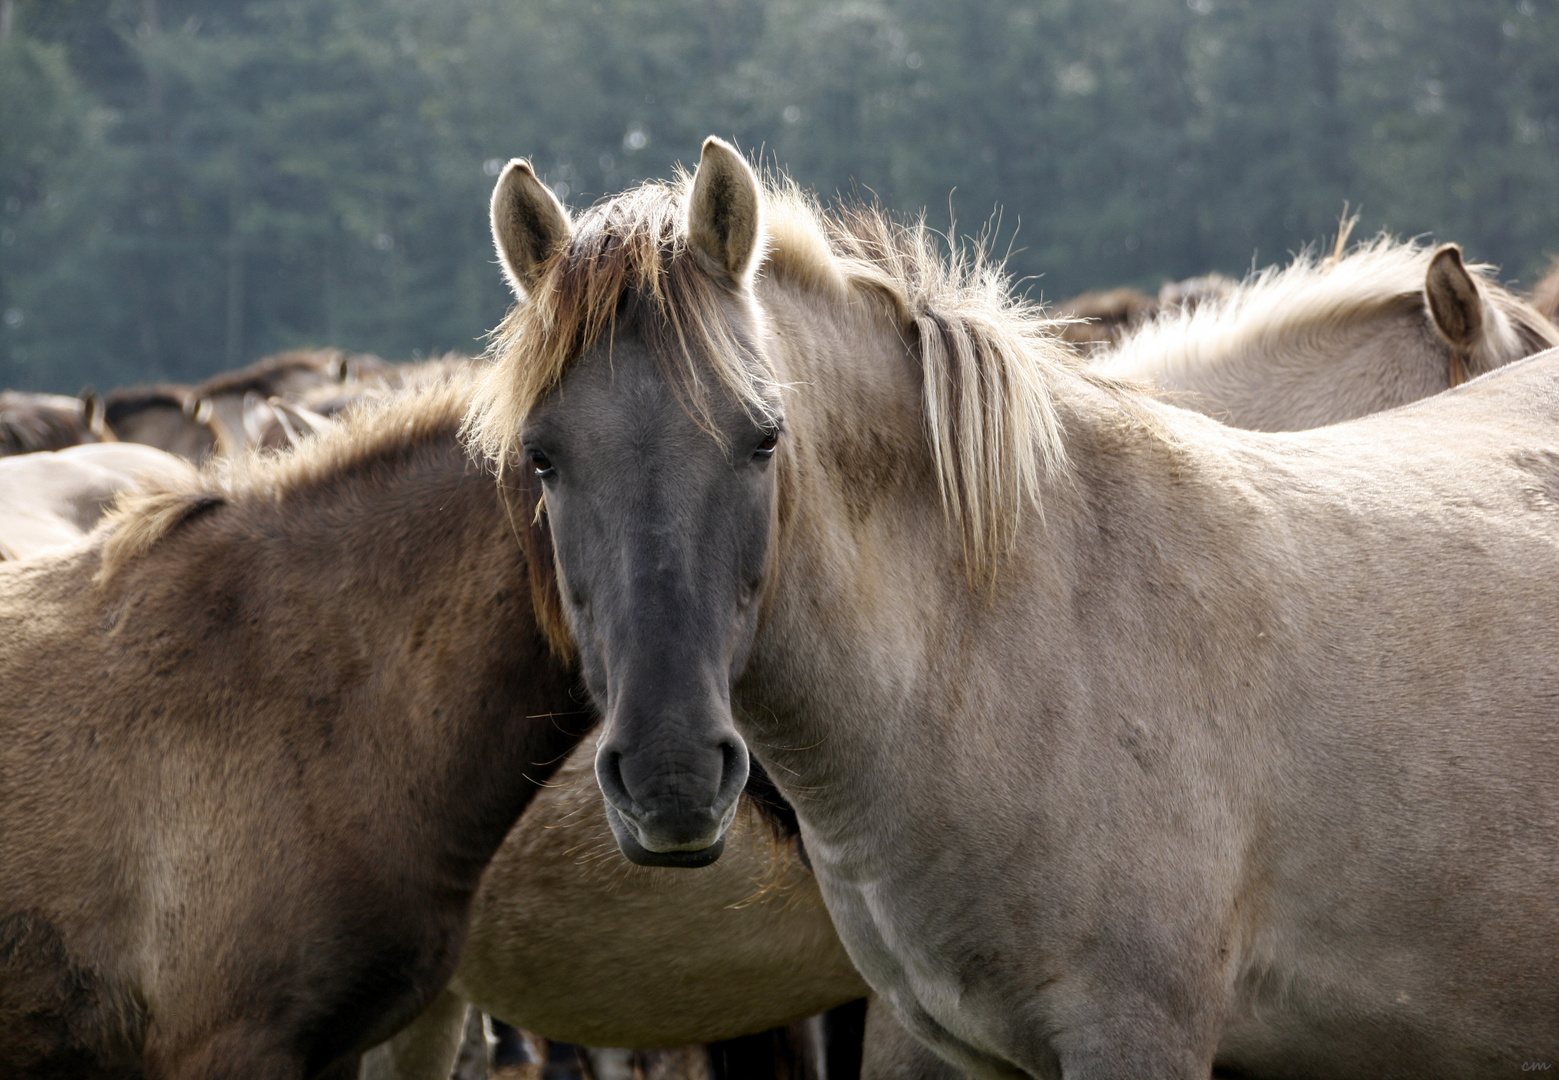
(96, 416)
(725, 214)
(1454, 300)
(529, 225)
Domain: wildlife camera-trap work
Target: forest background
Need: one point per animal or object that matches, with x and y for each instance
(188, 184)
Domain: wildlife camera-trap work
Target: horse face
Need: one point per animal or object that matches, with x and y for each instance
(661, 528)
(659, 494)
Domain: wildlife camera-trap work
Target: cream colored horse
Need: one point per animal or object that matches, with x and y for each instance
(1323, 340)
(570, 942)
(1123, 743)
(51, 499)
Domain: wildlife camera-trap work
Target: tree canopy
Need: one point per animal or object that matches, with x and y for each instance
(185, 185)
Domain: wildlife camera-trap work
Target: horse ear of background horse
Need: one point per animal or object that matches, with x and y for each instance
(1454, 299)
(530, 225)
(1545, 294)
(725, 215)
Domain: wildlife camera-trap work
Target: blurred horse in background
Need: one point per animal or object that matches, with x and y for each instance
(1323, 340)
(51, 499)
(30, 423)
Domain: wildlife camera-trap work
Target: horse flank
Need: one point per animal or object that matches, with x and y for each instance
(992, 427)
(1320, 295)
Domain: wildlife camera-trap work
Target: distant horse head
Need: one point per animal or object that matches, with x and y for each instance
(169, 416)
(235, 401)
(33, 422)
(638, 358)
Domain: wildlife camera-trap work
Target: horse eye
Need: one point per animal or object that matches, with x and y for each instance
(542, 464)
(766, 447)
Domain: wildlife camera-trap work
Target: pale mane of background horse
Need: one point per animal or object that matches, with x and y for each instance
(1223, 770)
(1328, 339)
(1545, 294)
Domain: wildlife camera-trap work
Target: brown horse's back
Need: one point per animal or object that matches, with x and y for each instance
(260, 736)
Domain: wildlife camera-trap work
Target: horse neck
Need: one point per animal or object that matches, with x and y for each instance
(1292, 375)
(872, 600)
(378, 630)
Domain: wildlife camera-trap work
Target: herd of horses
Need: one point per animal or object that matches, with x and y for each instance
(1088, 696)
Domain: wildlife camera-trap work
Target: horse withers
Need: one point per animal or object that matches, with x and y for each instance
(1123, 742)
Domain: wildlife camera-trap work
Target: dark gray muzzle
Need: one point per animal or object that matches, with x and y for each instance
(672, 812)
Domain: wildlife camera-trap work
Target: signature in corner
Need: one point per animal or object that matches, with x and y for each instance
(1536, 1066)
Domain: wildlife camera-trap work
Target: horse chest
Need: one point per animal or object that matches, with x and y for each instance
(897, 946)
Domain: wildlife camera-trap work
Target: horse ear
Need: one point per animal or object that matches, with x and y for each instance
(1454, 300)
(725, 214)
(529, 225)
(259, 417)
(339, 369)
(298, 422)
(96, 415)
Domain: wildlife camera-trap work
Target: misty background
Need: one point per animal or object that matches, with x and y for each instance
(186, 185)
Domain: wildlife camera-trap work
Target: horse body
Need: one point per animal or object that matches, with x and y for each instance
(1320, 341)
(52, 498)
(266, 872)
(1271, 867)
(569, 942)
(765, 953)
(1218, 709)
(1233, 750)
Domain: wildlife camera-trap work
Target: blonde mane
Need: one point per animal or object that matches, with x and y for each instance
(991, 424)
(368, 433)
(1309, 297)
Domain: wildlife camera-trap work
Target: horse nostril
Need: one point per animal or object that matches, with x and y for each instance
(609, 775)
(734, 768)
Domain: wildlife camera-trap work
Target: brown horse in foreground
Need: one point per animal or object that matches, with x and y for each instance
(565, 938)
(1124, 743)
(260, 736)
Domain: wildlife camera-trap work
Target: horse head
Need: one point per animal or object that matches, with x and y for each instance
(652, 428)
